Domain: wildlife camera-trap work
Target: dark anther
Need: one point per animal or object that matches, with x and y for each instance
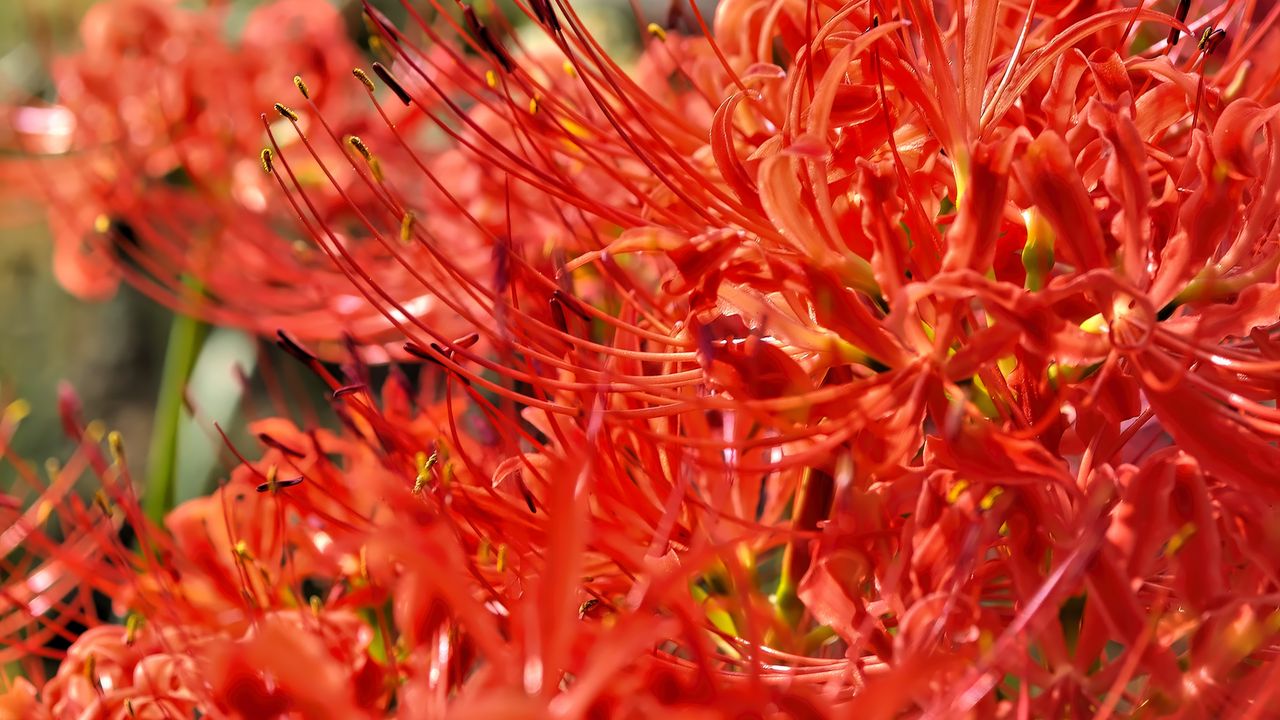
(389, 80)
(502, 264)
(876, 365)
(279, 484)
(588, 609)
(290, 345)
(1181, 15)
(421, 353)
(557, 314)
(546, 13)
(346, 390)
(120, 234)
(424, 354)
(485, 38)
(570, 304)
(1211, 39)
(269, 441)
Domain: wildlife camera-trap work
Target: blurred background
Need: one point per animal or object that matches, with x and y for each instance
(109, 351)
(113, 352)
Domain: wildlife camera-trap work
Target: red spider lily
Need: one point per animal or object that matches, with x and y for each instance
(477, 598)
(39, 569)
(861, 359)
(152, 176)
(820, 300)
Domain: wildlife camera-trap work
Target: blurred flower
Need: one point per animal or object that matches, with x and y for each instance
(152, 175)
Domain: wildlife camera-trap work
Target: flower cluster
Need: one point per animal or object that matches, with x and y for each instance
(150, 170)
(874, 359)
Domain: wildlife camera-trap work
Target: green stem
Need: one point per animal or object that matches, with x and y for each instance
(812, 505)
(186, 336)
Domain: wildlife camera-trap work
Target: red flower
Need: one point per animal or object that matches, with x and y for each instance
(152, 176)
(821, 299)
(863, 359)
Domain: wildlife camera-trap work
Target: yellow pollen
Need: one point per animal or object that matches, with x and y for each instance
(1237, 82)
(424, 463)
(574, 128)
(116, 444)
(1095, 325)
(533, 106)
(286, 112)
(362, 77)
(17, 410)
(359, 145)
(315, 605)
(100, 499)
(406, 229)
(266, 160)
(490, 79)
(43, 511)
(1221, 171)
(956, 490)
(569, 69)
(985, 640)
(657, 31)
(502, 558)
(101, 224)
(95, 431)
(989, 500)
(1179, 539)
(131, 627)
(302, 86)
(375, 167)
